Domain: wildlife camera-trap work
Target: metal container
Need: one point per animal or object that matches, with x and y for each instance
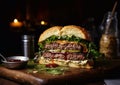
(28, 45)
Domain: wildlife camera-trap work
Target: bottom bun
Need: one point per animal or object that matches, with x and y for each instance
(75, 64)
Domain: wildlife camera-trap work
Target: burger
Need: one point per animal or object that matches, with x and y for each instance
(68, 45)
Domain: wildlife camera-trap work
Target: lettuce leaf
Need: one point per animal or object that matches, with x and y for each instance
(92, 48)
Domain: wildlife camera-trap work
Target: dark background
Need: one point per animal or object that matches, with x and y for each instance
(85, 13)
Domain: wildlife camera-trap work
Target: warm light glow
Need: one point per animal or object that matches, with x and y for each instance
(15, 20)
(16, 23)
(43, 23)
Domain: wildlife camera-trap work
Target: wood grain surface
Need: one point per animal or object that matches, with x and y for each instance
(73, 76)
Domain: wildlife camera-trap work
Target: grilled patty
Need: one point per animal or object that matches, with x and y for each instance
(65, 46)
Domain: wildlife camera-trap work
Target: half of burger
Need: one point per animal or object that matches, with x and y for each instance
(70, 45)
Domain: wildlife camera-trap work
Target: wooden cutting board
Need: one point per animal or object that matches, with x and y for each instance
(70, 77)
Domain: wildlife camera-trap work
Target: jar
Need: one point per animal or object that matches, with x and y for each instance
(109, 38)
(108, 46)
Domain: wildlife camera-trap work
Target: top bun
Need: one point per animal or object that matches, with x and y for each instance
(69, 30)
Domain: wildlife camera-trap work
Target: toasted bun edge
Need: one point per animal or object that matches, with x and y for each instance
(65, 30)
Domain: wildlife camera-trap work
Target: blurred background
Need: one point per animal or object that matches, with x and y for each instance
(38, 15)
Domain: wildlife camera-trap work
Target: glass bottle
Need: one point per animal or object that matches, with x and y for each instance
(109, 39)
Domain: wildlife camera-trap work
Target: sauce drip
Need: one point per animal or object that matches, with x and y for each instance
(52, 65)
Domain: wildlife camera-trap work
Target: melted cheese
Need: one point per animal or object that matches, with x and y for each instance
(64, 41)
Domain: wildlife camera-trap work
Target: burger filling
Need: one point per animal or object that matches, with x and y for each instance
(67, 48)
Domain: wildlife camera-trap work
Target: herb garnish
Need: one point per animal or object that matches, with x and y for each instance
(40, 68)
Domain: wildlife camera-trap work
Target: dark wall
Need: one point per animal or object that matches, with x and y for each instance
(59, 12)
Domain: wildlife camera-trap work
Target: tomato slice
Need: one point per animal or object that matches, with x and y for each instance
(52, 65)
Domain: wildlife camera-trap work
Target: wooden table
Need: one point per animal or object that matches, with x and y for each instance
(72, 77)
